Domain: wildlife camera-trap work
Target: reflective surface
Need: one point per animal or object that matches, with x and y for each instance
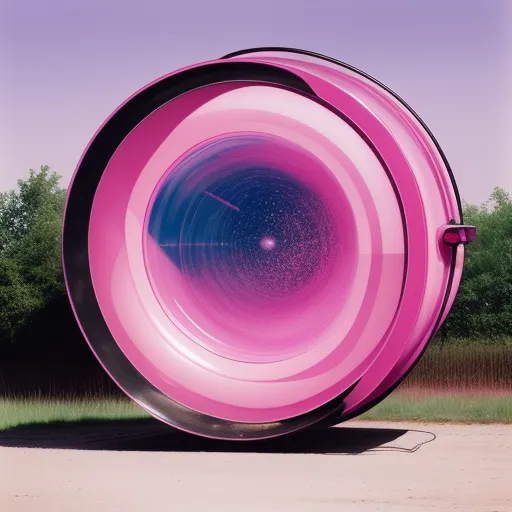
(274, 255)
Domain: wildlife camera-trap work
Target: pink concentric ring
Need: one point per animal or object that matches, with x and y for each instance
(173, 362)
(391, 174)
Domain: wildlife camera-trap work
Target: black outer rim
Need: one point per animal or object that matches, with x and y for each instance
(76, 260)
(336, 418)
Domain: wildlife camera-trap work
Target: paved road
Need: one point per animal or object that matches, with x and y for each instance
(359, 467)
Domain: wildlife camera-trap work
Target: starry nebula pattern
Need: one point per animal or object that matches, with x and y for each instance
(244, 221)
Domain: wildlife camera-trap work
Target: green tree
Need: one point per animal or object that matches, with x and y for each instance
(483, 307)
(31, 272)
(30, 238)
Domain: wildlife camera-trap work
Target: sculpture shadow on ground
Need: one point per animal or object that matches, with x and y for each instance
(147, 435)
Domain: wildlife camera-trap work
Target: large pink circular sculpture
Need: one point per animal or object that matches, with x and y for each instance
(263, 242)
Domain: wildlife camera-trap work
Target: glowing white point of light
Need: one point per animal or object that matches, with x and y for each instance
(267, 243)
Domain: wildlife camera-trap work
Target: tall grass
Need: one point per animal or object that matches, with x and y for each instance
(455, 365)
(455, 380)
(32, 381)
(460, 365)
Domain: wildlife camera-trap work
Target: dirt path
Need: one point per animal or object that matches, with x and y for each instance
(141, 466)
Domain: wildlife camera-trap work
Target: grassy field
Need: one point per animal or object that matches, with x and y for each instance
(456, 381)
(444, 406)
(405, 405)
(19, 412)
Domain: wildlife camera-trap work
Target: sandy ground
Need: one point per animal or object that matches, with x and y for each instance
(143, 466)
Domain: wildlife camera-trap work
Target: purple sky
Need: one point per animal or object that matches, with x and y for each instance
(64, 66)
